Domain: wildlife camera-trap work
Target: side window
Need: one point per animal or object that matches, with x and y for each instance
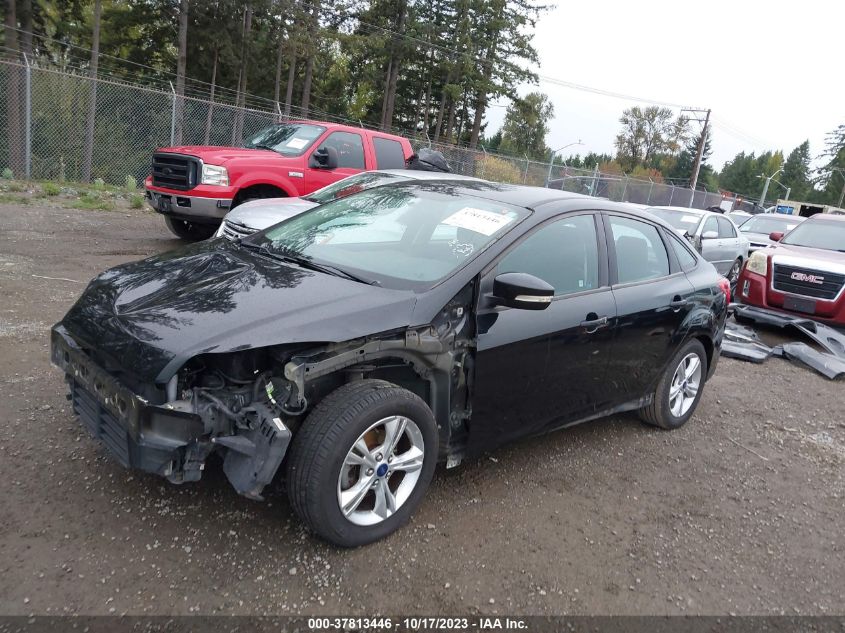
(726, 229)
(563, 254)
(640, 253)
(389, 154)
(710, 225)
(685, 257)
(350, 149)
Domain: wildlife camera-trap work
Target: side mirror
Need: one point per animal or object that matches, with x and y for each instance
(324, 158)
(522, 291)
(776, 236)
(709, 235)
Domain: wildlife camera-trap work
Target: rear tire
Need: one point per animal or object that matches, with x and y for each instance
(345, 446)
(674, 401)
(189, 231)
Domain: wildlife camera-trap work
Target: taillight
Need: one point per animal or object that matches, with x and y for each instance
(725, 287)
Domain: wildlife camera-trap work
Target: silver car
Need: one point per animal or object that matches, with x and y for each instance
(758, 228)
(714, 235)
(257, 215)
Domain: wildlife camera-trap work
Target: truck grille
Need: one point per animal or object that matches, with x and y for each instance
(175, 171)
(797, 281)
(232, 231)
(100, 423)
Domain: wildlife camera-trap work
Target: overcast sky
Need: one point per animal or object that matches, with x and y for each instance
(773, 72)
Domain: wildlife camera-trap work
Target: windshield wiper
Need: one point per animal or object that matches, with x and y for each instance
(304, 262)
(262, 146)
(324, 268)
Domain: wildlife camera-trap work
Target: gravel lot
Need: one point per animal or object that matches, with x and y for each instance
(738, 512)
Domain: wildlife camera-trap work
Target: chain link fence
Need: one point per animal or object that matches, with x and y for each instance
(43, 136)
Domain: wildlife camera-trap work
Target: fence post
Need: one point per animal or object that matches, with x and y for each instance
(671, 195)
(525, 175)
(594, 184)
(27, 145)
(172, 115)
(650, 187)
(624, 189)
(483, 161)
(279, 113)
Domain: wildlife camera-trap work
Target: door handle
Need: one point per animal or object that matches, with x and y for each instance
(677, 303)
(593, 325)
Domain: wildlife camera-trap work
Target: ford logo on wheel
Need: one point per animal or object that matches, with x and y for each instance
(813, 279)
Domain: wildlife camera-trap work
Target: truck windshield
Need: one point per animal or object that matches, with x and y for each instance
(401, 236)
(353, 184)
(829, 236)
(288, 139)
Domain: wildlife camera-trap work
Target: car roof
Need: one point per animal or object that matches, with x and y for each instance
(517, 195)
(419, 174)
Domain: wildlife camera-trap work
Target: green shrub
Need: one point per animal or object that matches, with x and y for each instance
(91, 200)
(16, 186)
(99, 184)
(498, 170)
(130, 183)
(51, 189)
(7, 173)
(136, 201)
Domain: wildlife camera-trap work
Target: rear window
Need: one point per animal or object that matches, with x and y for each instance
(685, 257)
(389, 154)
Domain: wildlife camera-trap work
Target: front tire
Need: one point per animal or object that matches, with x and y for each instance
(679, 390)
(362, 461)
(733, 274)
(189, 231)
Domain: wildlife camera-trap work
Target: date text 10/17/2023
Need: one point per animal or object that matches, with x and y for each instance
(418, 623)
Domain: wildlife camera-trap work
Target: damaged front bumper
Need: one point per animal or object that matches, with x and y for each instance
(162, 439)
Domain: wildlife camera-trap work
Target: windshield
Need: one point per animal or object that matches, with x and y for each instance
(829, 236)
(400, 236)
(770, 224)
(288, 139)
(353, 184)
(677, 219)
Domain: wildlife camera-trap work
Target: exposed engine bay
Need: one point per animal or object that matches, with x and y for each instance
(248, 405)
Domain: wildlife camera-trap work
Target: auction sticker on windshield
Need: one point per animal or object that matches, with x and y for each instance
(479, 220)
(297, 143)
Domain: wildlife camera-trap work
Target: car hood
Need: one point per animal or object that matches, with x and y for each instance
(806, 257)
(260, 214)
(219, 155)
(152, 316)
(758, 238)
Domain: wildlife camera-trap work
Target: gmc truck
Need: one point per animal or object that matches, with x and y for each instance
(194, 186)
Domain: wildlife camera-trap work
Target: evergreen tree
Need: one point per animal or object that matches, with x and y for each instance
(796, 172)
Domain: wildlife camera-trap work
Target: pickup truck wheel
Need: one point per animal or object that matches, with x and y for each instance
(189, 231)
(362, 462)
(679, 390)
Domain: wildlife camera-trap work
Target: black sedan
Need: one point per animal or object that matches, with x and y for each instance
(351, 348)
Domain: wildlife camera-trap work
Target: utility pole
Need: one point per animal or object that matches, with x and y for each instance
(698, 155)
(766, 186)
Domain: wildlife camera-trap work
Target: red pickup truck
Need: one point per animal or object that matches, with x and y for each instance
(194, 186)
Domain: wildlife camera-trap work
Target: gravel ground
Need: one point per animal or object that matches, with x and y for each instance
(738, 512)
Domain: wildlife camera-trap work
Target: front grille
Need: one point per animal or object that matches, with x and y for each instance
(828, 289)
(175, 171)
(232, 231)
(100, 423)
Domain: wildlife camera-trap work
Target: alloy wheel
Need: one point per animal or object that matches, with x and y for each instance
(381, 470)
(685, 384)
